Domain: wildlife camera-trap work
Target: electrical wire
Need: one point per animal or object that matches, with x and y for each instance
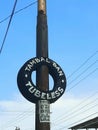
(75, 109)
(9, 23)
(82, 64)
(11, 16)
(78, 121)
(14, 111)
(75, 112)
(84, 71)
(58, 124)
(22, 117)
(19, 117)
(84, 118)
(29, 5)
(82, 79)
(78, 107)
(84, 99)
(77, 68)
(90, 123)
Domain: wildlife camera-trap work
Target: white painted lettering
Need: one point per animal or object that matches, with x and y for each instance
(58, 69)
(29, 84)
(32, 89)
(57, 93)
(32, 62)
(60, 89)
(60, 73)
(37, 93)
(48, 96)
(37, 60)
(42, 59)
(43, 95)
(53, 95)
(47, 60)
(29, 66)
(27, 69)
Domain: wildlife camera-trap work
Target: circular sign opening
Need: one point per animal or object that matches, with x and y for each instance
(51, 82)
(33, 77)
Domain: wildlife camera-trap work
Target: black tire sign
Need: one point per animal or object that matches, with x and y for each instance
(32, 92)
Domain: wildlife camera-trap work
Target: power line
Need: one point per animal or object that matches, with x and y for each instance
(82, 79)
(19, 117)
(84, 118)
(22, 116)
(8, 26)
(11, 16)
(67, 116)
(18, 11)
(83, 72)
(76, 112)
(82, 64)
(15, 111)
(80, 103)
(79, 121)
(90, 123)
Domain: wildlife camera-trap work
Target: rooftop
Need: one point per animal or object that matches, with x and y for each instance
(92, 123)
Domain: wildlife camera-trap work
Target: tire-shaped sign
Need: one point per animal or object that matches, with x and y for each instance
(34, 93)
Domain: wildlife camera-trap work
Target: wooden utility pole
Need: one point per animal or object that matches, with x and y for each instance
(40, 94)
(42, 78)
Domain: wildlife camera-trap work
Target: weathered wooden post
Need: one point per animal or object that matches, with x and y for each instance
(40, 94)
(42, 78)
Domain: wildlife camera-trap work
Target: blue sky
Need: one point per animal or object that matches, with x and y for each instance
(73, 38)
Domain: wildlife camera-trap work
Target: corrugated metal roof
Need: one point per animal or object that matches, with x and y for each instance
(92, 123)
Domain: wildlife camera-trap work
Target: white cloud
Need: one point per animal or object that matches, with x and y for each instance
(64, 112)
(69, 111)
